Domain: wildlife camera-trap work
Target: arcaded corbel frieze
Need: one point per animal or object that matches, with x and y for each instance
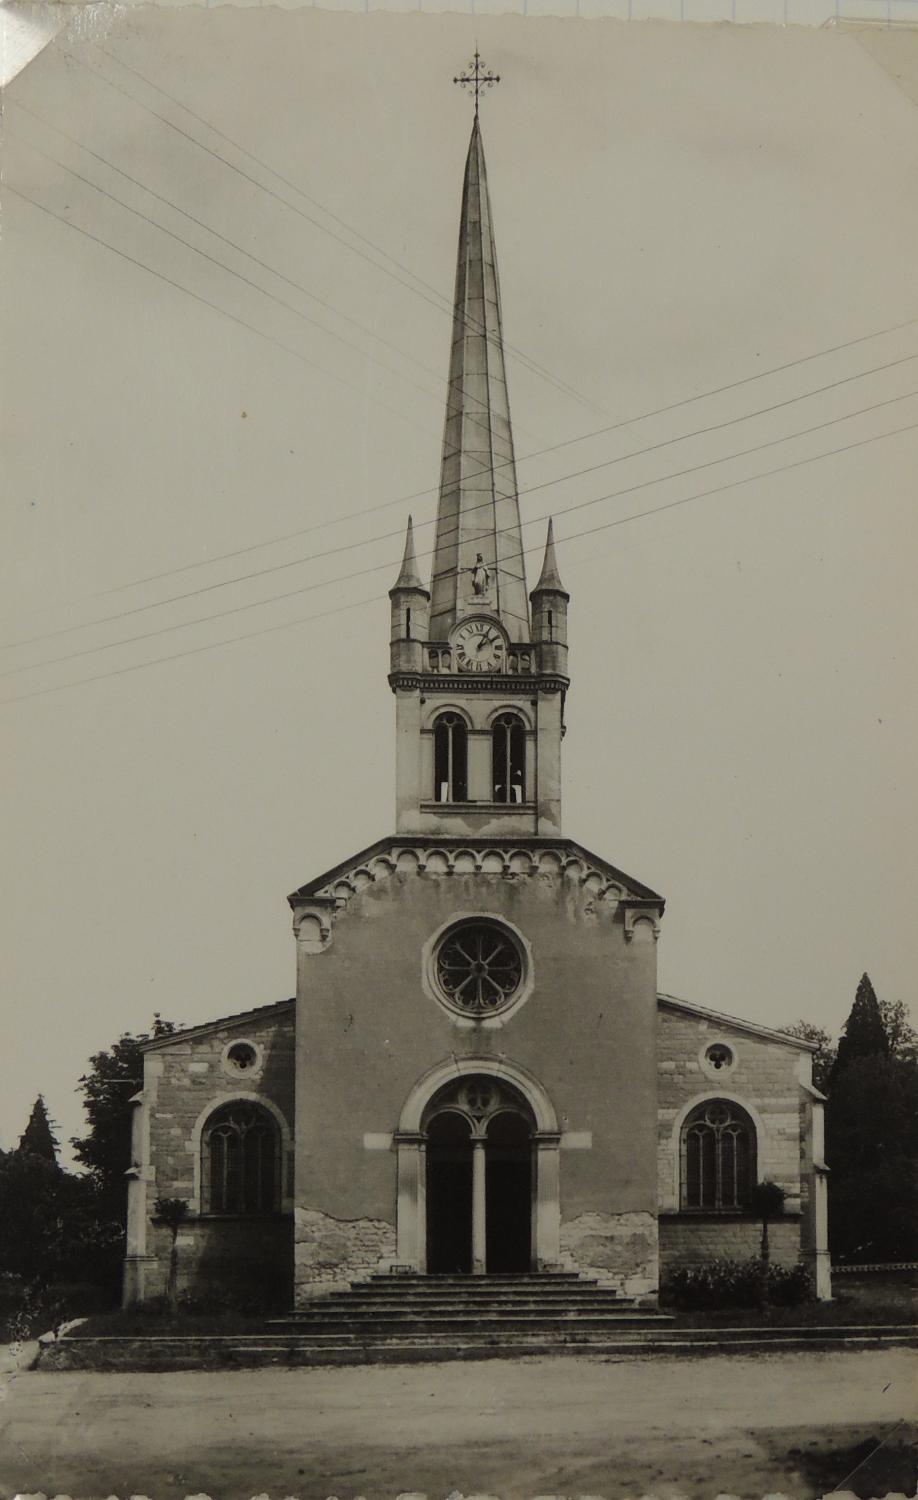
(639, 913)
(312, 923)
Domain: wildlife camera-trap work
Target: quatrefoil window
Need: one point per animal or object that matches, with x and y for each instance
(478, 968)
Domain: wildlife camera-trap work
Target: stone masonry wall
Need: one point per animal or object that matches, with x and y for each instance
(329, 1254)
(765, 1078)
(688, 1241)
(184, 1082)
(620, 1250)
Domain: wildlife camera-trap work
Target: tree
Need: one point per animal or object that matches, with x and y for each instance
(872, 1134)
(864, 1033)
(38, 1138)
(116, 1076)
(766, 1201)
(823, 1057)
(173, 1212)
(900, 1034)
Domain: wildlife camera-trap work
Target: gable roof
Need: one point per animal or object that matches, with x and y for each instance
(704, 1012)
(529, 842)
(242, 1017)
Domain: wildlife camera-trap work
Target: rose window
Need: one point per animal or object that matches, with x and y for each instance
(479, 969)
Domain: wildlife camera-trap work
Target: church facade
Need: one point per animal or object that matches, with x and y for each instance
(478, 1074)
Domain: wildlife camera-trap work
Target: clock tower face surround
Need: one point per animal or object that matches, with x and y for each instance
(479, 645)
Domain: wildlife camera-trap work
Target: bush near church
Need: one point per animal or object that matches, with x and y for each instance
(723, 1284)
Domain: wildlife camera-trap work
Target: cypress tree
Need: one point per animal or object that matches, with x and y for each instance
(865, 1035)
(38, 1139)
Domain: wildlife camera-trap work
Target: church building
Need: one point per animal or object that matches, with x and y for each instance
(477, 1075)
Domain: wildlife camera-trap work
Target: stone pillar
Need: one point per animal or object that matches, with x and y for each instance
(411, 1218)
(479, 1209)
(408, 760)
(136, 1259)
(480, 789)
(548, 764)
(546, 1236)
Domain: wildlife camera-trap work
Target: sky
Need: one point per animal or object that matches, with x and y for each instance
(710, 296)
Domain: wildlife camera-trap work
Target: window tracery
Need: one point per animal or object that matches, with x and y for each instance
(718, 1151)
(508, 759)
(240, 1160)
(450, 758)
(478, 968)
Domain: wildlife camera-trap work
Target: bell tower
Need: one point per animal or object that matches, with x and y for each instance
(479, 677)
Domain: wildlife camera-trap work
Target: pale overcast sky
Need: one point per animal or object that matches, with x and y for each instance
(677, 209)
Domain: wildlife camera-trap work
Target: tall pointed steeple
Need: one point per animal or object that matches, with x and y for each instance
(478, 519)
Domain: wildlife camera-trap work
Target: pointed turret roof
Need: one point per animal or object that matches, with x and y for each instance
(478, 510)
(550, 578)
(409, 577)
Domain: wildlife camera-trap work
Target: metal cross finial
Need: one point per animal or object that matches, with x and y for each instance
(476, 79)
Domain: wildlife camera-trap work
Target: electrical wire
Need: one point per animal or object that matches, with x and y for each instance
(373, 599)
(484, 505)
(391, 564)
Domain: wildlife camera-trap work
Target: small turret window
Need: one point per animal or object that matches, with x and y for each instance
(508, 759)
(551, 626)
(450, 759)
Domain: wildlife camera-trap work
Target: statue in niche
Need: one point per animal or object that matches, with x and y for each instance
(481, 577)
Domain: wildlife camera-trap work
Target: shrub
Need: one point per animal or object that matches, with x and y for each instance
(720, 1284)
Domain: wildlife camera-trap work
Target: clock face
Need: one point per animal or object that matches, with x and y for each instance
(479, 647)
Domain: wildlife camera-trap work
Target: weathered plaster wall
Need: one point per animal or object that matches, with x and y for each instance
(183, 1082)
(368, 1031)
(767, 1078)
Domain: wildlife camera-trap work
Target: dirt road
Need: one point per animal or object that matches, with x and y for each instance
(789, 1423)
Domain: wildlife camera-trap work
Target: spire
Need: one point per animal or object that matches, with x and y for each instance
(550, 578)
(478, 518)
(409, 577)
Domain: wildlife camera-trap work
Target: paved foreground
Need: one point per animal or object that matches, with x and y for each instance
(790, 1423)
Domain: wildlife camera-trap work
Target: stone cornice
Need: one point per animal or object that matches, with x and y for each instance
(601, 886)
(465, 682)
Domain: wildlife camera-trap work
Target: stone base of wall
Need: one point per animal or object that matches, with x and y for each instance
(619, 1249)
(247, 1259)
(690, 1240)
(329, 1254)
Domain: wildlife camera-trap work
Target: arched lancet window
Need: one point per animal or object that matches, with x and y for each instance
(450, 759)
(240, 1160)
(718, 1157)
(508, 759)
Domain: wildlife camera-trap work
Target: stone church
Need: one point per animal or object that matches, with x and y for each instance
(478, 1074)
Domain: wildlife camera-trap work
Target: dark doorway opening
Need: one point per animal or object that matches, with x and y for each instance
(449, 1195)
(508, 1185)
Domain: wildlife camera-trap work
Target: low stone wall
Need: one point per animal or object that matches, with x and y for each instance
(619, 1249)
(331, 1253)
(692, 1239)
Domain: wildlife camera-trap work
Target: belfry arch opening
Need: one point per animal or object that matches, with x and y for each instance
(479, 1179)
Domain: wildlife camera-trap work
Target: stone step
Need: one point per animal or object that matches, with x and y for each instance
(445, 1323)
(471, 1301)
(513, 1278)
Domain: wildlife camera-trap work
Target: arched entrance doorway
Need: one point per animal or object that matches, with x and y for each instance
(479, 1178)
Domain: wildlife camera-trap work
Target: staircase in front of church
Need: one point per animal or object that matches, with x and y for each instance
(411, 1317)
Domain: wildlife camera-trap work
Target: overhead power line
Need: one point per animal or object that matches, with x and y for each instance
(215, 307)
(373, 599)
(532, 489)
(391, 564)
(437, 300)
(334, 520)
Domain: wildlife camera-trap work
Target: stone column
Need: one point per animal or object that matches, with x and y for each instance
(410, 1215)
(547, 1215)
(479, 1209)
